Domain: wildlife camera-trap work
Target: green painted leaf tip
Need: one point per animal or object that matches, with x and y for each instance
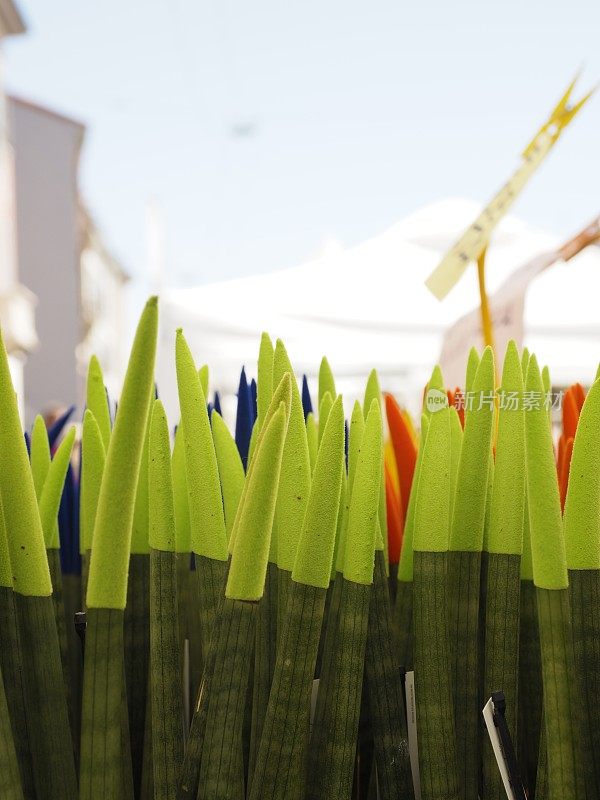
(505, 534)
(253, 438)
(547, 540)
(525, 355)
(281, 395)
(456, 441)
(597, 373)
(435, 392)
(472, 367)
(315, 548)
(432, 512)
(405, 566)
(582, 507)
(204, 375)
(96, 399)
(264, 382)
(436, 381)
(231, 469)
(326, 381)
(109, 563)
(312, 436)
(357, 429)
(161, 510)
(372, 392)
(295, 477)
(40, 454)
(547, 383)
(248, 567)
(183, 531)
(207, 518)
(471, 483)
(141, 520)
(324, 410)
(21, 516)
(52, 491)
(93, 457)
(361, 533)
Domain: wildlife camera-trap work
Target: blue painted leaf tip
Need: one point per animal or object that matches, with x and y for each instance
(244, 419)
(307, 405)
(217, 404)
(254, 396)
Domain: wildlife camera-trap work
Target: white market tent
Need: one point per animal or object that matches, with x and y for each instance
(367, 306)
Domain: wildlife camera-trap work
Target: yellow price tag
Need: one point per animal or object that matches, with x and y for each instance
(475, 239)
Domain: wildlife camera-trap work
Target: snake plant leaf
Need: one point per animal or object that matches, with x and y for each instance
(582, 507)
(324, 410)
(97, 401)
(206, 506)
(31, 575)
(547, 539)
(282, 394)
(315, 548)
(312, 437)
(326, 380)
(295, 477)
(231, 469)
(582, 537)
(525, 356)
(435, 392)
(139, 530)
(183, 532)
(165, 674)
(432, 512)
(203, 375)
(251, 545)
(361, 534)
(40, 454)
(456, 443)
(373, 392)
(93, 457)
(47, 711)
(107, 584)
(357, 429)
(405, 567)
(464, 569)
(508, 493)
(160, 496)
(264, 388)
(53, 487)
(472, 367)
(471, 485)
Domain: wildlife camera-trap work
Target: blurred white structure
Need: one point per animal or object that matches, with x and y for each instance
(17, 303)
(367, 306)
(62, 259)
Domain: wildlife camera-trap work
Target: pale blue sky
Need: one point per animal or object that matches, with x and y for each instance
(362, 112)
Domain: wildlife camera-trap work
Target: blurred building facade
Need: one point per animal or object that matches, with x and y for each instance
(63, 261)
(17, 302)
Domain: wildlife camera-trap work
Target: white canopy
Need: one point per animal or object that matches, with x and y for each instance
(367, 306)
